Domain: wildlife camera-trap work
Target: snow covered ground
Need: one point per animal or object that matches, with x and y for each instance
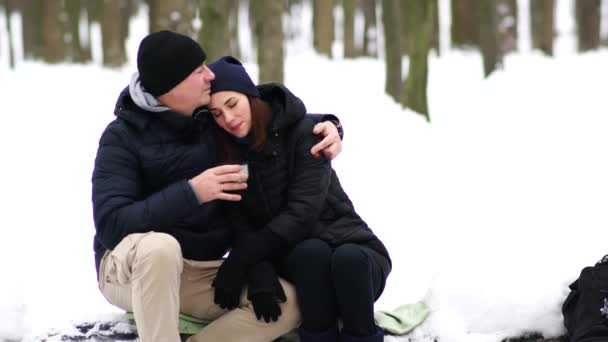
(489, 212)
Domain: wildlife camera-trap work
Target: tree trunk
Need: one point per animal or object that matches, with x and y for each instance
(420, 19)
(31, 19)
(404, 7)
(349, 28)
(8, 9)
(233, 25)
(3, 7)
(269, 35)
(391, 19)
(542, 27)
(112, 35)
(487, 19)
(408, 30)
(174, 15)
(323, 26)
(588, 24)
(76, 50)
(130, 10)
(435, 33)
(53, 31)
(465, 28)
(370, 35)
(215, 34)
(604, 22)
(94, 8)
(507, 25)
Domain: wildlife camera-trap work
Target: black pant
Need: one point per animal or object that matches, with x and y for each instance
(336, 282)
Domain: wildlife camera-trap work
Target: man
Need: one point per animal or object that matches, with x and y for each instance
(157, 199)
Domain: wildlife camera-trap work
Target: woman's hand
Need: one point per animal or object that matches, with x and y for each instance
(331, 145)
(266, 307)
(265, 292)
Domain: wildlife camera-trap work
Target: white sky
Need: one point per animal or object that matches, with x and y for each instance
(489, 212)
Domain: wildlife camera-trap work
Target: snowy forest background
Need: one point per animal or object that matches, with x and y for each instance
(401, 32)
(490, 202)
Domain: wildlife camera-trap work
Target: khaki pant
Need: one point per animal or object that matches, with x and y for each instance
(147, 275)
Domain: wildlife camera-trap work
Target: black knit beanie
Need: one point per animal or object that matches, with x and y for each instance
(231, 75)
(166, 58)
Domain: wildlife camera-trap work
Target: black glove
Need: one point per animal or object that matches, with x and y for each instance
(229, 283)
(249, 249)
(265, 306)
(265, 292)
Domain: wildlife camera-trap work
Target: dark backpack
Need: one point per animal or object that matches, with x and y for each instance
(586, 307)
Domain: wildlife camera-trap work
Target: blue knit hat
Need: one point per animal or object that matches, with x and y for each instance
(230, 75)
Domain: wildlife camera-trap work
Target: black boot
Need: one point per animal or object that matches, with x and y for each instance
(330, 335)
(378, 336)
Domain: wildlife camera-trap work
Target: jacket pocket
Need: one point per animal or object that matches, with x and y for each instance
(117, 269)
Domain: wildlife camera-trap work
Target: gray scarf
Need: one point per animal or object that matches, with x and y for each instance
(142, 98)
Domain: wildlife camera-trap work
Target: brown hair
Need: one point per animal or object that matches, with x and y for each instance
(260, 119)
(232, 152)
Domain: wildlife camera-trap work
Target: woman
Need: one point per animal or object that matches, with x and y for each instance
(294, 211)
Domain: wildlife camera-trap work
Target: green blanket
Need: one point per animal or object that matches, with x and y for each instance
(402, 319)
(399, 321)
(187, 324)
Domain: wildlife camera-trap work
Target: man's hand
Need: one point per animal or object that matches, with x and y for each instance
(331, 145)
(214, 183)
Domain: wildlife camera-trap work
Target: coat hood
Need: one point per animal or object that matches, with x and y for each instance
(286, 107)
(129, 111)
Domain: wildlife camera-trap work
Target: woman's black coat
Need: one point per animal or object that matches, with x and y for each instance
(292, 193)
